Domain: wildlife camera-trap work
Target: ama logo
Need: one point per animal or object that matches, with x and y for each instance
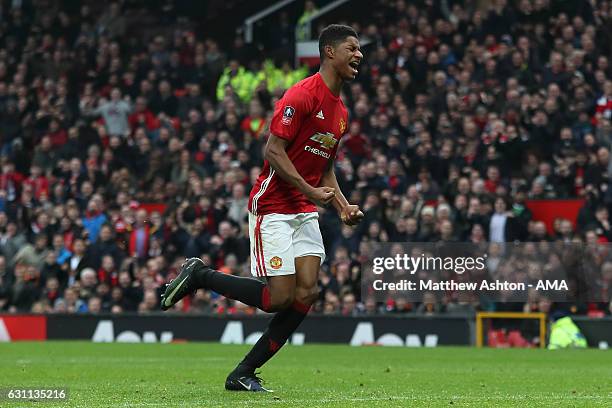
(288, 112)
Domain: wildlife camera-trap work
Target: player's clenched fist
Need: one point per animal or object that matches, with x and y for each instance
(322, 195)
(351, 215)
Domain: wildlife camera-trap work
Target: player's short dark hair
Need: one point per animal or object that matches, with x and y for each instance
(332, 35)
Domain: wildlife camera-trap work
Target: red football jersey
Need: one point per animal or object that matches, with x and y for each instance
(313, 120)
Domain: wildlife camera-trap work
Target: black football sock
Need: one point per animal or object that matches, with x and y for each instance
(280, 328)
(249, 291)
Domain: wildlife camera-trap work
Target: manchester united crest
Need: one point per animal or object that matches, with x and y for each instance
(276, 262)
(342, 126)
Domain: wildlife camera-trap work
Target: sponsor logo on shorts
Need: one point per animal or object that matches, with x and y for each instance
(288, 112)
(276, 262)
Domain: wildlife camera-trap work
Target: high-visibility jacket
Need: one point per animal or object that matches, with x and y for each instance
(302, 29)
(254, 81)
(565, 334)
(245, 82)
(295, 76)
(274, 76)
(240, 82)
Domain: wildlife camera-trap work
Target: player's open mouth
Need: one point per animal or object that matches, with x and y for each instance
(354, 66)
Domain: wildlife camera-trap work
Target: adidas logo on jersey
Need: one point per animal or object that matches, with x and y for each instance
(320, 115)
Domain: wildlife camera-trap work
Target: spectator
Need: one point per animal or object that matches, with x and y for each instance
(149, 303)
(143, 117)
(140, 236)
(94, 305)
(255, 123)
(93, 221)
(349, 305)
(114, 112)
(12, 240)
(33, 255)
(237, 205)
(164, 102)
(105, 246)
(429, 304)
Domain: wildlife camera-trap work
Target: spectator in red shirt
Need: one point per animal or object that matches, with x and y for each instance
(37, 182)
(255, 123)
(58, 136)
(10, 181)
(604, 103)
(356, 143)
(143, 117)
(107, 271)
(493, 179)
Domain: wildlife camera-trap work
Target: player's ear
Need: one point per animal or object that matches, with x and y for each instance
(329, 51)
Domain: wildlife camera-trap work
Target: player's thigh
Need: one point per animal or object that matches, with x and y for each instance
(272, 250)
(307, 275)
(307, 271)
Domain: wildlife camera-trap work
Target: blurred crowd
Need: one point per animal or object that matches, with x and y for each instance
(123, 151)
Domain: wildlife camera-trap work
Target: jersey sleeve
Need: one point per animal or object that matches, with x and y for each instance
(290, 113)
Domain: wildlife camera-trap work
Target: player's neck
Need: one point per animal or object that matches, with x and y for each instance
(331, 79)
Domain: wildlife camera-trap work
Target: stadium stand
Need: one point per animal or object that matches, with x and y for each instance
(124, 149)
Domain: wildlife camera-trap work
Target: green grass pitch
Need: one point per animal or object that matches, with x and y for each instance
(192, 375)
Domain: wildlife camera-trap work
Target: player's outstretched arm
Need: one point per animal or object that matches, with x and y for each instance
(349, 213)
(276, 154)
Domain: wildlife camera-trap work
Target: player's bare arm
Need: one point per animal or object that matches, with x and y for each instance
(349, 213)
(276, 154)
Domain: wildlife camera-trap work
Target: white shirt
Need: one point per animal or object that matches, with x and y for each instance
(74, 262)
(497, 228)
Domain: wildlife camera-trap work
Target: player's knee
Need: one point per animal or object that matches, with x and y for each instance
(280, 301)
(307, 296)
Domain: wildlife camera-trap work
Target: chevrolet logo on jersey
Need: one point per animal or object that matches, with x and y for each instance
(327, 140)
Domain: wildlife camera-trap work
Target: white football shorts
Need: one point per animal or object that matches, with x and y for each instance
(277, 239)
